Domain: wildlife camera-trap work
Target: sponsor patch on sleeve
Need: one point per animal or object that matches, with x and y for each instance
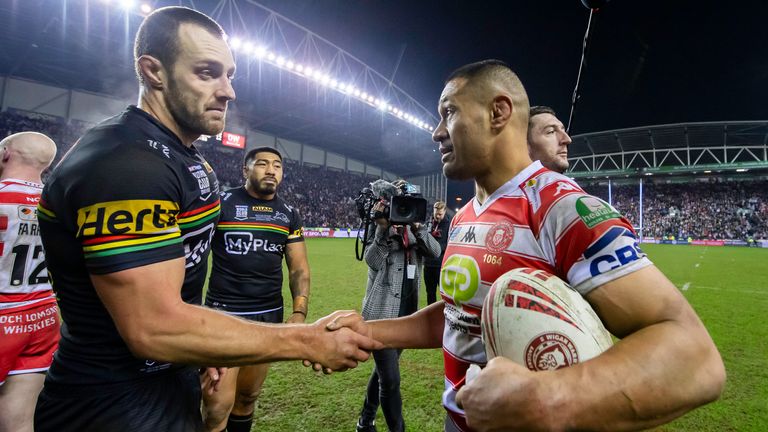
(128, 217)
(594, 211)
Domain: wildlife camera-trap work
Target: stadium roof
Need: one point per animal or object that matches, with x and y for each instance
(679, 148)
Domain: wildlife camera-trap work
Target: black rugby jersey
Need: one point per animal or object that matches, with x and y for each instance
(248, 249)
(128, 194)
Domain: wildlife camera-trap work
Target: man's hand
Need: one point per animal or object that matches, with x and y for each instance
(210, 378)
(340, 341)
(506, 387)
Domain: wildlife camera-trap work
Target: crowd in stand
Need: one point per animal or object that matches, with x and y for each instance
(712, 210)
(715, 210)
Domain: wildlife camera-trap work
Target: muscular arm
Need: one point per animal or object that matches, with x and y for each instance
(665, 365)
(423, 329)
(298, 279)
(145, 304)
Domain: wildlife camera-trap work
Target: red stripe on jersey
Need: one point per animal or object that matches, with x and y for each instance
(199, 210)
(3, 222)
(30, 199)
(549, 197)
(579, 238)
(107, 239)
(23, 297)
(455, 369)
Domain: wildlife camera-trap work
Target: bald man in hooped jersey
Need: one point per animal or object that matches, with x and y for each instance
(29, 319)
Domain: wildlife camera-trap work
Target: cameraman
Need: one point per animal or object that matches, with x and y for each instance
(438, 228)
(394, 258)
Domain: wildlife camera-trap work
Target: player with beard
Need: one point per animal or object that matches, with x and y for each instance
(255, 231)
(126, 218)
(524, 215)
(547, 139)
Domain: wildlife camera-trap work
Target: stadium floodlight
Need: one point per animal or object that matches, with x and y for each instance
(299, 68)
(431, 128)
(235, 43)
(261, 51)
(317, 75)
(280, 61)
(271, 56)
(357, 93)
(248, 47)
(742, 170)
(363, 95)
(707, 172)
(333, 83)
(126, 4)
(371, 99)
(325, 79)
(289, 65)
(145, 8)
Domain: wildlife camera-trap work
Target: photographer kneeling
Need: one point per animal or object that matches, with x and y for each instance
(394, 257)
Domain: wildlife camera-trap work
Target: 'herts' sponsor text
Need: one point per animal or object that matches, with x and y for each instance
(127, 217)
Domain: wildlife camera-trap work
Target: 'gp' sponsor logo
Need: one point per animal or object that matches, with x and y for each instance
(460, 278)
(240, 243)
(628, 251)
(127, 217)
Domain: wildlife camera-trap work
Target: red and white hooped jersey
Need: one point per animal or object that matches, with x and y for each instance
(23, 275)
(538, 219)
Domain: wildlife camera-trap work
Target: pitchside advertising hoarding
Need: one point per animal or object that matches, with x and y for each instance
(755, 243)
(227, 139)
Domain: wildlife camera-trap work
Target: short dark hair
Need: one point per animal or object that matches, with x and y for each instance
(500, 74)
(541, 109)
(477, 69)
(158, 35)
(251, 155)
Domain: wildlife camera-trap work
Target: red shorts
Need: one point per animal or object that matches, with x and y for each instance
(28, 339)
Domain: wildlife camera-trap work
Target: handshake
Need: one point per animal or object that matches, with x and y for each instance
(339, 342)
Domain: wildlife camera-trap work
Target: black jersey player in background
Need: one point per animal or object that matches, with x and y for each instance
(126, 219)
(256, 229)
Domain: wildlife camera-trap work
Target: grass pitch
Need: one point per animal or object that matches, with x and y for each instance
(728, 287)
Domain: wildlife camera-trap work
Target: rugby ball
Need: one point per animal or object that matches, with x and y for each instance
(537, 320)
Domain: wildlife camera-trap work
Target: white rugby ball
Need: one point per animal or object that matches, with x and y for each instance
(535, 319)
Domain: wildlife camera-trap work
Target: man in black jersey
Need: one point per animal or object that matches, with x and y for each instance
(127, 219)
(256, 229)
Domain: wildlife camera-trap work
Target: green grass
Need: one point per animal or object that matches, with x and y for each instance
(727, 286)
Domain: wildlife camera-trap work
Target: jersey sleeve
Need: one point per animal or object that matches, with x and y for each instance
(296, 230)
(590, 242)
(126, 214)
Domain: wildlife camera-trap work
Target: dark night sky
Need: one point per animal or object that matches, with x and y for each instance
(648, 64)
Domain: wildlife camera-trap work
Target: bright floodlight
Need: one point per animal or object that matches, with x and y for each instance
(126, 4)
(299, 68)
(280, 61)
(271, 56)
(363, 95)
(371, 99)
(357, 93)
(235, 43)
(261, 51)
(289, 64)
(146, 8)
(317, 75)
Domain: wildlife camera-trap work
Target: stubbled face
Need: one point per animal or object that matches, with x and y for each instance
(438, 214)
(548, 142)
(200, 84)
(463, 132)
(264, 174)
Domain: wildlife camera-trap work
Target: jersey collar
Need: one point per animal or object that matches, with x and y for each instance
(507, 188)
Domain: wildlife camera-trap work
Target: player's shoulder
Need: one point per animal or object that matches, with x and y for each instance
(19, 192)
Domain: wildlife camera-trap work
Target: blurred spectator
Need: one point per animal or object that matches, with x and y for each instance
(713, 210)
